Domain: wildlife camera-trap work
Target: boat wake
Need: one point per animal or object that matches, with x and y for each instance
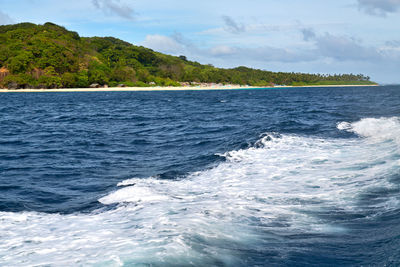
(283, 186)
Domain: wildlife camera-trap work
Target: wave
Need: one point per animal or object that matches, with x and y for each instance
(284, 185)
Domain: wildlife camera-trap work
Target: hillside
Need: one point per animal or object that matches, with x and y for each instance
(50, 56)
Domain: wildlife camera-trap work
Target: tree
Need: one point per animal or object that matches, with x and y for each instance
(20, 63)
(82, 79)
(50, 79)
(98, 73)
(123, 74)
(68, 80)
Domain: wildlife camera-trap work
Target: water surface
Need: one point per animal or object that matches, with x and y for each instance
(300, 176)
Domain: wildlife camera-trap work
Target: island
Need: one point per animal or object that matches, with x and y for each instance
(49, 56)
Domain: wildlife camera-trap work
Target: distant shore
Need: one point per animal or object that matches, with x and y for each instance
(186, 88)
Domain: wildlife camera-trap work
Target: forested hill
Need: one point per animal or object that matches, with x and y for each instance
(49, 56)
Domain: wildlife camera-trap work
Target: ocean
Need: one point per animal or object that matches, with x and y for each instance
(260, 177)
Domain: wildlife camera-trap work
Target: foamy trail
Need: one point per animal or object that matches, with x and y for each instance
(375, 129)
(269, 191)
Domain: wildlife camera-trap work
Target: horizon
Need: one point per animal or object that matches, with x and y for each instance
(311, 37)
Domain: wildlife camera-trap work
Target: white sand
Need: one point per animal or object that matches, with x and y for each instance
(119, 89)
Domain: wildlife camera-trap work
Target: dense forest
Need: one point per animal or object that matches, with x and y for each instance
(49, 56)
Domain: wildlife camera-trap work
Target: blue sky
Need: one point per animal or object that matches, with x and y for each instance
(341, 36)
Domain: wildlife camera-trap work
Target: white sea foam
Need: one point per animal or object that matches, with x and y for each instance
(375, 128)
(275, 188)
(134, 194)
(127, 182)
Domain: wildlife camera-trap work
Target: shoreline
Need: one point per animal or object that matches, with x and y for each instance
(181, 88)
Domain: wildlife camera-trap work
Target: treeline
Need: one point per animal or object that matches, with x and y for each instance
(49, 56)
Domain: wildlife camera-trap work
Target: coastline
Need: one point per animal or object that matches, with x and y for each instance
(182, 88)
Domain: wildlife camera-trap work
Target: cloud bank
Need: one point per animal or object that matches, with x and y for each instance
(320, 47)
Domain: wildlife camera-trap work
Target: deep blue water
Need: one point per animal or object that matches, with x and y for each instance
(301, 176)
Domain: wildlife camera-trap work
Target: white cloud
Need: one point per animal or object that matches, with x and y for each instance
(393, 43)
(5, 19)
(343, 48)
(263, 54)
(379, 7)
(308, 34)
(177, 45)
(232, 26)
(222, 50)
(163, 44)
(115, 7)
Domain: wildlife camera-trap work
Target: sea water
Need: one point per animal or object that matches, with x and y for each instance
(292, 177)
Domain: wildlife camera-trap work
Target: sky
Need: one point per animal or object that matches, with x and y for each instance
(314, 36)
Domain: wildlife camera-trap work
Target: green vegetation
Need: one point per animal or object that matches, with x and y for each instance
(49, 56)
(332, 82)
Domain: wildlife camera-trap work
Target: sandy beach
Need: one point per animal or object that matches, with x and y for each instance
(127, 89)
(119, 89)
